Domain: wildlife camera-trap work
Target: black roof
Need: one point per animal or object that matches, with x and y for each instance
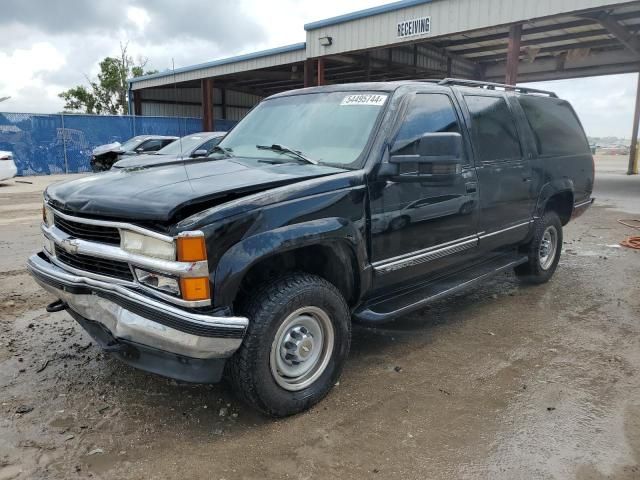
(394, 85)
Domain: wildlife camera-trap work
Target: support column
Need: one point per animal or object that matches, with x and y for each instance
(223, 101)
(633, 159)
(308, 73)
(513, 54)
(137, 102)
(207, 104)
(320, 71)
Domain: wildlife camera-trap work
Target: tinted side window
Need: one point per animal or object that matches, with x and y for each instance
(493, 128)
(555, 126)
(152, 145)
(428, 113)
(209, 144)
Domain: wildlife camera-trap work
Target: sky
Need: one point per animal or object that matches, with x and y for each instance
(49, 46)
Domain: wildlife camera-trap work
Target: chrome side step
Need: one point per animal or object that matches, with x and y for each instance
(389, 307)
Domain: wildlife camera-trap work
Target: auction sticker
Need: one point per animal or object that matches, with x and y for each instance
(364, 99)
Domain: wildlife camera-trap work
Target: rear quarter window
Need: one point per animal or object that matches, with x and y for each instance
(555, 127)
(493, 129)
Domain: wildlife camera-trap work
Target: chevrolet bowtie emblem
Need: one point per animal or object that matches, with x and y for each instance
(70, 245)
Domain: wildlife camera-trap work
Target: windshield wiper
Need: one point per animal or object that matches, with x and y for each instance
(276, 147)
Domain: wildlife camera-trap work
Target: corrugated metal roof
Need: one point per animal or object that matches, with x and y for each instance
(367, 12)
(224, 61)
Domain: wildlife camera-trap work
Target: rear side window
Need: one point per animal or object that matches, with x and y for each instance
(152, 145)
(493, 129)
(555, 126)
(209, 144)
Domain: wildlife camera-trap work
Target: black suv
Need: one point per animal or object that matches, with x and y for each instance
(323, 205)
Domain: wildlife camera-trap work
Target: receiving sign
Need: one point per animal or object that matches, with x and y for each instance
(418, 26)
(364, 99)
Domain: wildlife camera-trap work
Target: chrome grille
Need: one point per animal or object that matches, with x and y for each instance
(109, 268)
(85, 231)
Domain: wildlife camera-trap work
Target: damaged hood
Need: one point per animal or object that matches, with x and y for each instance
(157, 194)
(109, 147)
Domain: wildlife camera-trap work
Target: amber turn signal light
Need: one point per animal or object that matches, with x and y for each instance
(191, 249)
(196, 288)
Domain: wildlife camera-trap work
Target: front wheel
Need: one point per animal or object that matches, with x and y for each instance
(296, 345)
(543, 251)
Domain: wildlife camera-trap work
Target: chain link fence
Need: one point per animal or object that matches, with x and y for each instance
(44, 144)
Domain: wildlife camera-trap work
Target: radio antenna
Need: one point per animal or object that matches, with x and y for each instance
(175, 98)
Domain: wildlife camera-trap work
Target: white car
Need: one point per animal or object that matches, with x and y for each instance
(8, 167)
(422, 210)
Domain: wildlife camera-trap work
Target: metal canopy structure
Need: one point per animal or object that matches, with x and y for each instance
(489, 40)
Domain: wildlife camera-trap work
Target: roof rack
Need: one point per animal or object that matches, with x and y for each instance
(493, 86)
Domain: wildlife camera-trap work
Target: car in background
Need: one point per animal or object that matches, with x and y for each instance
(104, 156)
(194, 146)
(614, 150)
(422, 210)
(8, 167)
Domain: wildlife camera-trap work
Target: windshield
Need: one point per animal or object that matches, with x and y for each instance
(131, 144)
(188, 144)
(331, 128)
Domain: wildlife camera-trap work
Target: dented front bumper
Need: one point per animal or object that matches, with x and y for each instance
(142, 331)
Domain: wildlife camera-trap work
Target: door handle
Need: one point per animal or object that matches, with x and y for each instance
(471, 187)
(526, 179)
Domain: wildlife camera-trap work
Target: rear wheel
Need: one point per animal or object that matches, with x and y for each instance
(296, 345)
(543, 251)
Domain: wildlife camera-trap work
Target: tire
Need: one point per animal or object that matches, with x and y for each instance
(310, 308)
(540, 267)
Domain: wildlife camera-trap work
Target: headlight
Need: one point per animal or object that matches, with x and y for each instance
(148, 246)
(47, 215)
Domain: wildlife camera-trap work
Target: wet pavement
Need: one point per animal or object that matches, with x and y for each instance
(503, 381)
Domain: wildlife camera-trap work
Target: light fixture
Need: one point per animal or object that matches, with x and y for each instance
(159, 282)
(148, 246)
(192, 248)
(47, 215)
(326, 41)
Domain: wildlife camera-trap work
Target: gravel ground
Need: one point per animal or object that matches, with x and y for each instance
(504, 381)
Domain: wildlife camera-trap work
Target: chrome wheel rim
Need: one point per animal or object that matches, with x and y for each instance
(548, 247)
(301, 348)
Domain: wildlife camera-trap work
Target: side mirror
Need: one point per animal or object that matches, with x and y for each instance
(140, 149)
(199, 153)
(438, 157)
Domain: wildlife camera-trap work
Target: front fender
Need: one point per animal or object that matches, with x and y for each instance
(550, 189)
(237, 260)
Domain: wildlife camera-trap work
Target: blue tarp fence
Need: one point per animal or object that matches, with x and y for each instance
(43, 144)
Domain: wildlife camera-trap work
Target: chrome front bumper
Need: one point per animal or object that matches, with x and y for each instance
(134, 317)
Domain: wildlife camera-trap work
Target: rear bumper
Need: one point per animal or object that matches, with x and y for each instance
(143, 331)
